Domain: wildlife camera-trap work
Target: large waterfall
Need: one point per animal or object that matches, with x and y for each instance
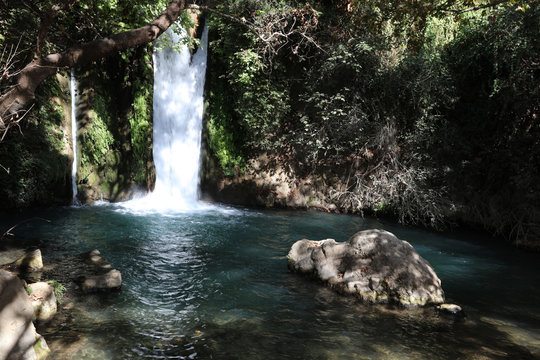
(178, 110)
(73, 92)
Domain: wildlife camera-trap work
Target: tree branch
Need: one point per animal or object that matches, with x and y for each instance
(279, 28)
(46, 23)
(13, 102)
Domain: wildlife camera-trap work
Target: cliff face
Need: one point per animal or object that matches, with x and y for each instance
(267, 182)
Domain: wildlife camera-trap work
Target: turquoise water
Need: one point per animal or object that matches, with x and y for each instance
(213, 284)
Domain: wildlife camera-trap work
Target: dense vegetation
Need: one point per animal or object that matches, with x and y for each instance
(114, 105)
(427, 111)
(428, 115)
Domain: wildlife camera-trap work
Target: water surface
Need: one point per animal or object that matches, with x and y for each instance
(213, 284)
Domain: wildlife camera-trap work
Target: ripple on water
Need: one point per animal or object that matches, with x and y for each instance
(214, 284)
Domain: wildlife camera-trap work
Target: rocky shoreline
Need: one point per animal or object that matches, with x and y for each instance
(27, 301)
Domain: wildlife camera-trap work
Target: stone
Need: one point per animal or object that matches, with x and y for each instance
(111, 280)
(41, 349)
(43, 300)
(451, 309)
(18, 337)
(9, 256)
(98, 274)
(31, 261)
(374, 265)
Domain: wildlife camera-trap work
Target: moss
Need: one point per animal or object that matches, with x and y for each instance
(116, 132)
(41, 348)
(140, 121)
(97, 140)
(223, 146)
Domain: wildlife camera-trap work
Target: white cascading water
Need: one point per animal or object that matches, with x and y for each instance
(73, 92)
(178, 111)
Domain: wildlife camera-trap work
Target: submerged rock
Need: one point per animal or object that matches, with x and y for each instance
(43, 300)
(18, 337)
(451, 309)
(98, 274)
(374, 265)
(111, 280)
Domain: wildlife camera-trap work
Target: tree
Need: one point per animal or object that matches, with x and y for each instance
(275, 24)
(14, 103)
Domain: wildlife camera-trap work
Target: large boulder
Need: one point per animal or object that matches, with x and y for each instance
(374, 265)
(18, 337)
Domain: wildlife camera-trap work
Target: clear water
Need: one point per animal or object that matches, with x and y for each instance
(213, 284)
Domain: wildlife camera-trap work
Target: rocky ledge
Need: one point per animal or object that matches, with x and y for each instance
(374, 265)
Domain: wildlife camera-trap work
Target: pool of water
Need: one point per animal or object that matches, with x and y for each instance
(213, 284)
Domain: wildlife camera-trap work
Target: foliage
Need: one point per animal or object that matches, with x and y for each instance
(58, 289)
(491, 141)
(222, 141)
(141, 128)
(34, 167)
(97, 139)
(244, 99)
(430, 114)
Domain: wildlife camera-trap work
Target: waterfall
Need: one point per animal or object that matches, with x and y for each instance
(73, 92)
(178, 111)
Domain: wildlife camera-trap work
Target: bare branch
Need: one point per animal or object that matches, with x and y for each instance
(8, 231)
(276, 32)
(15, 122)
(9, 62)
(6, 169)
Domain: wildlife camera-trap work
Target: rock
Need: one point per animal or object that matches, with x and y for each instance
(111, 280)
(41, 348)
(451, 309)
(9, 256)
(18, 337)
(374, 265)
(31, 261)
(99, 274)
(43, 301)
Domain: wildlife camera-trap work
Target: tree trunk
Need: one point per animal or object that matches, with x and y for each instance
(15, 101)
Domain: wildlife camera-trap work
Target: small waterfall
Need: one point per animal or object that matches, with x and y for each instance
(178, 111)
(73, 92)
